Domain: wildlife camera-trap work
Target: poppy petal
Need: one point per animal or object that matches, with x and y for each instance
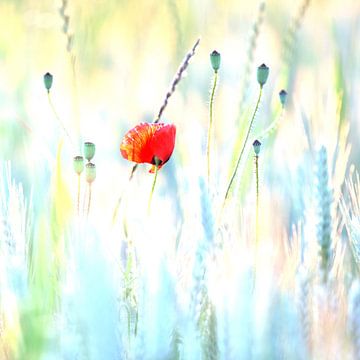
(162, 143)
(148, 140)
(134, 146)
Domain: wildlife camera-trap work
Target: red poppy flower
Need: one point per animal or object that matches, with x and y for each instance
(147, 141)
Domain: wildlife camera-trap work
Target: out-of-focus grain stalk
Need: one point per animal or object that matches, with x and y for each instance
(72, 58)
(324, 203)
(255, 31)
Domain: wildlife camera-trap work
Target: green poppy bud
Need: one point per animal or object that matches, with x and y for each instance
(256, 146)
(48, 80)
(283, 96)
(215, 59)
(90, 172)
(89, 150)
(78, 164)
(262, 74)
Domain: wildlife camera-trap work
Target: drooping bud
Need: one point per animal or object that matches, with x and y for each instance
(256, 146)
(90, 172)
(283, 96)
(48, 80)
(215, 59)
(78, 164)
(262, 74)
(89, 150)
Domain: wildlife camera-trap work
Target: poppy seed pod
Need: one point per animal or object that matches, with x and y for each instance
(48, 80)
(89, 150)
(215, 59)
(256, 146)
(149, 143)
(78, 164)
(90, 172)
(262, 74)
(283, 96)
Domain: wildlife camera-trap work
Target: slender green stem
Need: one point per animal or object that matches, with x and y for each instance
(257, 201)
(152, 188)
(78, 196)
(58, 118)
(256, 259)
(243, 148)
(116, 210)
(89, 200)
(210, 125)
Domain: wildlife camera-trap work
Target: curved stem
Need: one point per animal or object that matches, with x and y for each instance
(243, 148)
(210, 125)
(58, 118)
(152, 188)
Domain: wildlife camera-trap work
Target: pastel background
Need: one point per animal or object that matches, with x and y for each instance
(187, 280)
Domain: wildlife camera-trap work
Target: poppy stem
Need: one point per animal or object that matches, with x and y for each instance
(257, 203)
(243, 148)
(117, 206)
(153, 187)
(89, 201)
(58, 119)
(210, 125)
(78, 196)
(256, 260)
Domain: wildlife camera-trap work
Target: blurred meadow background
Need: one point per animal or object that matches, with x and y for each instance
(267, 274)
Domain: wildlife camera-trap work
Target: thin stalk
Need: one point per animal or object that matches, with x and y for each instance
(84, 200)
(89, 201)
(257, 201)
(210, 125)
(152, 188)
(58, 118)
(256, 255)
(178, 77)
(120, 198)
(243, 148)
(78, 196)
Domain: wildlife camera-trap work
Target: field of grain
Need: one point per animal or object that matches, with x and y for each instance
(244, 240)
